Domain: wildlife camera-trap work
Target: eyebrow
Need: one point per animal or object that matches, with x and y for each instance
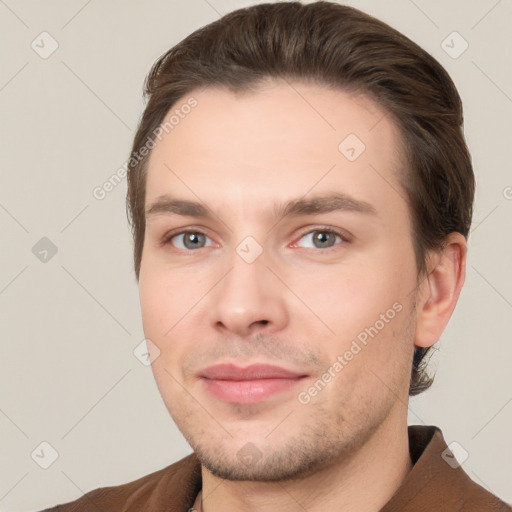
(294, 208)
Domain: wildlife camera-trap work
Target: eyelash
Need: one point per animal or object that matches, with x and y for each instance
(344, 239)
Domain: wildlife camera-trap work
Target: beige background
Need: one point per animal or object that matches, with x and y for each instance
(68, 374)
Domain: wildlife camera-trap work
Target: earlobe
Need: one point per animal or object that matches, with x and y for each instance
(440, 290)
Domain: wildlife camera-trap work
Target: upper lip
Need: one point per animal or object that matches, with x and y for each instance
(251, 372)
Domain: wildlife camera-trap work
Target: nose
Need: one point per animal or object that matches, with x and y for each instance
(248, 299)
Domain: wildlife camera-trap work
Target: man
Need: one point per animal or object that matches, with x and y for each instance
(300, 194)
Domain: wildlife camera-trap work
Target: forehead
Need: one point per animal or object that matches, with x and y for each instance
(284, 140)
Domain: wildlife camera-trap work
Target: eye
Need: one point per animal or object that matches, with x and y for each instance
(323, 238)
(187, 240)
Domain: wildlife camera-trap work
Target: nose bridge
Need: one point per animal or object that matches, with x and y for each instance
(244, 285)
(249, 293)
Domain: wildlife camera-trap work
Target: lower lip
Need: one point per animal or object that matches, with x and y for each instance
(248, 391)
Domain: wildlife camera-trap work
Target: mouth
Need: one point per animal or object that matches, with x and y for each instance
(249, 385)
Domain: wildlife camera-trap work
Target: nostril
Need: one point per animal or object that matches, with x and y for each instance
(260, 322)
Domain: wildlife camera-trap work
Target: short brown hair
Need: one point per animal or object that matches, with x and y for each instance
(344, 48)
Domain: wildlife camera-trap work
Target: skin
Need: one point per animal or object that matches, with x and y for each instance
(298, 305)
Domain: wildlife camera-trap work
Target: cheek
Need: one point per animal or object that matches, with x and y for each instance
(166, 304)
(153, 304)
(368, 308)
(160, 308)
(352, 298)
(375, 372)
(164, 295)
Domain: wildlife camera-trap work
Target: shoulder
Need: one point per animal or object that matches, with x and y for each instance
(175, 484)
(438, 480)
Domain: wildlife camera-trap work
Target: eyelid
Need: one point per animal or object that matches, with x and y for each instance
(345, 237)
(341, 232)
(167, 237)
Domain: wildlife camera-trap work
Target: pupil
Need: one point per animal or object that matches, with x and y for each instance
(192, 239)
(321, 237)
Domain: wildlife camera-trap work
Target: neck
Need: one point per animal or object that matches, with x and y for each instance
(364, 482)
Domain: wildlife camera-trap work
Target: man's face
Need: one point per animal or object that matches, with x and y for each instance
(326, 297)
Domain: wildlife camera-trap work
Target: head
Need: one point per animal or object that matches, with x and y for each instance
(285, 122)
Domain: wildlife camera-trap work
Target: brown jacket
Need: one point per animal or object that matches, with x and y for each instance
(433, 485)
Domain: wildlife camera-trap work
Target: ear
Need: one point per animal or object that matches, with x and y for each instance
(440, 289)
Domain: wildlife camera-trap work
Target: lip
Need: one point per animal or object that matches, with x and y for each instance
(248, 385)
